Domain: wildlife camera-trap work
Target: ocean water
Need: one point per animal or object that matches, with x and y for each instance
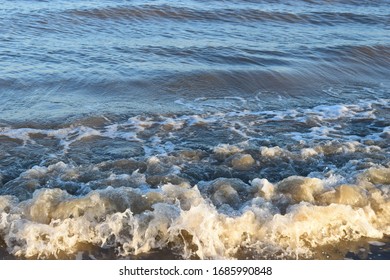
(238, 129)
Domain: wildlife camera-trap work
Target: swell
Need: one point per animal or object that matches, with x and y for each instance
(168, 12)
(246, 70)
(375, 55)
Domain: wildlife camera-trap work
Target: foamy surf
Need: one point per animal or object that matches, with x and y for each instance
(208, 185)
(219, 219)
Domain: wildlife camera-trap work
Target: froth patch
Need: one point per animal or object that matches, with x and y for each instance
(345, 194)
(378, 175)
(308, 226)
(301, 188)
(242, 162)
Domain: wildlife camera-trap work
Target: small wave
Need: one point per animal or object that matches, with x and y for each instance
(168, 12)
(367, 55)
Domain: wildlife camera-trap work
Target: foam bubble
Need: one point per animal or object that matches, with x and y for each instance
(308, 152)
(272, 151)
(378, 175)
(376, 243)
(243, 162)
(301, 188)
(265, 188)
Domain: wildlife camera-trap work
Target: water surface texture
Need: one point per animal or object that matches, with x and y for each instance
(195, 129)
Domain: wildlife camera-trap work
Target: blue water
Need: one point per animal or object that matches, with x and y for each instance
(122, 116)
(149, 53)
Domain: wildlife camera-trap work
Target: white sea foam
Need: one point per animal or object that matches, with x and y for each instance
(138, 221)
(272, 151)
(227, 149)
(376, 243)
(324, 123)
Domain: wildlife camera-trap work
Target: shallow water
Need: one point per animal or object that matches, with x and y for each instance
(194, 129)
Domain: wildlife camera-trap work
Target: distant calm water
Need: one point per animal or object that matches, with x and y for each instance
(195, 129)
